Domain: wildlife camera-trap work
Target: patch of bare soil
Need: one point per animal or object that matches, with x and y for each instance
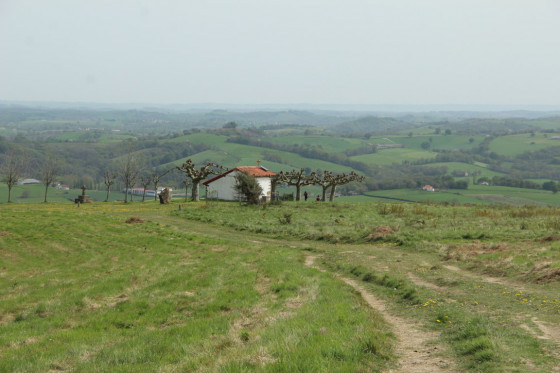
(545, 274)
(133, 219)
(551, 238)
(546, 331)
(416, 350)
(549, 331)
(550, 275)
(474, 248)
(429, 285)
(488, 279)
(380, 232)
(3, 233)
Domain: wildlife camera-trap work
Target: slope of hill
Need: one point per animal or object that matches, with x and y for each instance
(125, 287)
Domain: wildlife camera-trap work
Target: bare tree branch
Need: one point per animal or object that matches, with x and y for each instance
(128, 171)
(49, 171)
(197, 175)
(12, 169)
(296, 178)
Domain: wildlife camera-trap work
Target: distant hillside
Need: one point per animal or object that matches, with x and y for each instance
(373, 124)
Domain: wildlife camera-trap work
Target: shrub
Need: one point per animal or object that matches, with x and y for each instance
(248, 188)
(286, 218)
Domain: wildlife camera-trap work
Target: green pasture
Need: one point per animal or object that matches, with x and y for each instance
(328, 143)
(475, 194)
(440, 142)
(223, 287)
(417, 195)
(397, 155)
(201, 138)
(93, 290)
(512, 145)
(460, 166)
(453, 248)
(36, 193)
(546, 123)
(88, 136)
(513, 196)
(231, 155)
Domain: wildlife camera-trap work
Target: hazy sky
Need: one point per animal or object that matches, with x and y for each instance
(503, 52)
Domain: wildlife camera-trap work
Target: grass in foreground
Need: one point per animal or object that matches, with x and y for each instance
(82, 289)
(396, 249)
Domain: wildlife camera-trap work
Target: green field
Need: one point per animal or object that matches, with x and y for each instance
(85, 291)
(512, 145)
(440, 142)
(470, 168)
(475, 194)
(36, 193)
(390, 156)
(328, 143)
(231, 155)
(314, 287)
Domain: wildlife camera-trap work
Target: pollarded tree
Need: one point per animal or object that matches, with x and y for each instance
(325, 180)
(342, 179)
(196, 175)
(296, 178)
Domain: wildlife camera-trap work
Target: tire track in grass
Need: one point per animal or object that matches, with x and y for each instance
(416, 350)
(548, 331)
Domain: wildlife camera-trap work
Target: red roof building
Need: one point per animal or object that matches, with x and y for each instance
(222, 186)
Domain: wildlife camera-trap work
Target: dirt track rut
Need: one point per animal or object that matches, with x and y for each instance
(416, 348)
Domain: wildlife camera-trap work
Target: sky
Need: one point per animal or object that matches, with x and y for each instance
(363, 52)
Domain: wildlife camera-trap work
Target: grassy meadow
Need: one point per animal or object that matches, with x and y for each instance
(475, 194)
(36, 193)
(90, 289)
(223, 287)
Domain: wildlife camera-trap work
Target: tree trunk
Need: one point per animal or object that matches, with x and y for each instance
(324, 198)
(107, 198)
(273, 184)
(126, 192)
(332, 193)
(46, 191)
(298, 192)
(155, 191)
(195, 190)
(144, 195)
(9, 193)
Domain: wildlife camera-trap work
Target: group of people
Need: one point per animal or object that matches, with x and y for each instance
(306, 196)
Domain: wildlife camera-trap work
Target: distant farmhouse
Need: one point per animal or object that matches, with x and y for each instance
(428, 188)
(223, 186)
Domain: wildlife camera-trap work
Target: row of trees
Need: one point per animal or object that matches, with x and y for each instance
(326, 179)
(16, 163)
(129, 171)
(194, 175)
(247, 187)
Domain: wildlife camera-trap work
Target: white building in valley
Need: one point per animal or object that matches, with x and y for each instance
(223, 186)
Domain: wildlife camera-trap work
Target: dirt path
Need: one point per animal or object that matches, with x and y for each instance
(416, 349)
(488, 279)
